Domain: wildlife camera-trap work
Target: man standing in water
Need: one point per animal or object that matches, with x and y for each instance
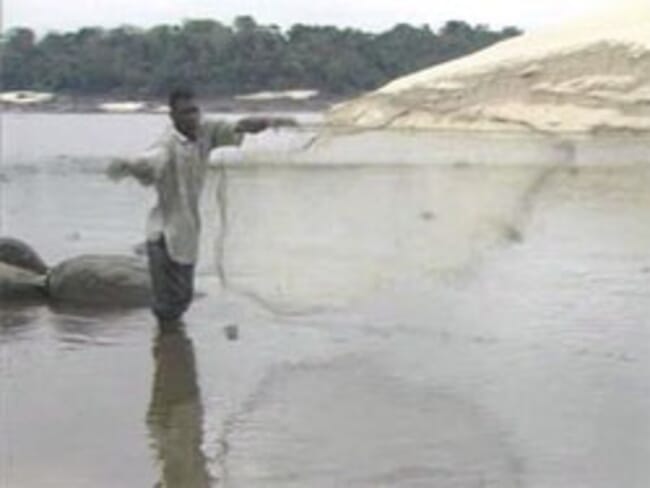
(176, 167)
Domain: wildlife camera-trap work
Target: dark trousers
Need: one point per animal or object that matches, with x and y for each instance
(172, 282)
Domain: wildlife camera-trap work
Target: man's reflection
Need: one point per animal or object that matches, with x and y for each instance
(175, 414)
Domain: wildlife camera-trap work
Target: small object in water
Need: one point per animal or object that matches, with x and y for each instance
(513, 234)
(74, 236)
(232, 332)
(140, 249)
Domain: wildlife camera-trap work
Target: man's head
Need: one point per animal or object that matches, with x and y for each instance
(184, 112)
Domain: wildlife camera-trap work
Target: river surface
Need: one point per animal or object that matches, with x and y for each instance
(400, 325)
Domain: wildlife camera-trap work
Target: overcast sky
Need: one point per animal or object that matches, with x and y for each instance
(373, 15)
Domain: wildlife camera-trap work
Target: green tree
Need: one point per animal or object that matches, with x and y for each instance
(225, 60)
(18, 58)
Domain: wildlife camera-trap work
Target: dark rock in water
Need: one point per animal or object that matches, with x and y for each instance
(20, 284)
(101, 280)
(21, 255)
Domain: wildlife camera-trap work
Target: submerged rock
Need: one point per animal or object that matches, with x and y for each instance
(19, 254)
(101, 280)
(20, 284)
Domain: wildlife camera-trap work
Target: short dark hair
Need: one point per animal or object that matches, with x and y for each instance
(180, 94)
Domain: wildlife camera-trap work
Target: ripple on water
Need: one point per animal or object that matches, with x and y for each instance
(346, 424)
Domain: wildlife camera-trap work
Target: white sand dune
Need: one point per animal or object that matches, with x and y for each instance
(589, 75)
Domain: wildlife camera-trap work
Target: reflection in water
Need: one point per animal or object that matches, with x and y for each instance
(347, 423)
(175, 413)
(15, 320)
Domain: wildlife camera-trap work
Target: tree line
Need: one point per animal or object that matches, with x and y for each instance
(223, 60)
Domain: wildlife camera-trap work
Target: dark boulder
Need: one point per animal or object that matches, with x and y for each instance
(19, 254)
(18, 284)
(101, 280)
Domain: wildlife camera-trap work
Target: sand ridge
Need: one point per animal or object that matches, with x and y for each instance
(589, 75)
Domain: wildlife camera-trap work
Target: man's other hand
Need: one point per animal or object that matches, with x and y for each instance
(253, 125)
(117, 169)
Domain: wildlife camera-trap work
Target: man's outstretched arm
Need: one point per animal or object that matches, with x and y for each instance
(145, 168)
(232, 134)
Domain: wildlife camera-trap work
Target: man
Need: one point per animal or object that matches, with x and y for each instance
(176, 167)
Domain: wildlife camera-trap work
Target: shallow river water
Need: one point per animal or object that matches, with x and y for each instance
(400, 325)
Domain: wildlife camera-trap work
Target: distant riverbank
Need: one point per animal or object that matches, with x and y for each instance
(105, 104)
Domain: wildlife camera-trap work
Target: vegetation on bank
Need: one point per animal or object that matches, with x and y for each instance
(225, 60)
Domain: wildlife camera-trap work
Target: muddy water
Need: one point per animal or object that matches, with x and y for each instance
(409, 325)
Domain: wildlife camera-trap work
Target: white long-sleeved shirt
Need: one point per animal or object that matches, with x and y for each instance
(176, 166)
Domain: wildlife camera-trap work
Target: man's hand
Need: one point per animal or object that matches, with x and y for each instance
(283, 122)
(120, 168)
(253, 125)
(117, 169)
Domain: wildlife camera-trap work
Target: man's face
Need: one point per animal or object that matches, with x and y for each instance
(186, 117)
